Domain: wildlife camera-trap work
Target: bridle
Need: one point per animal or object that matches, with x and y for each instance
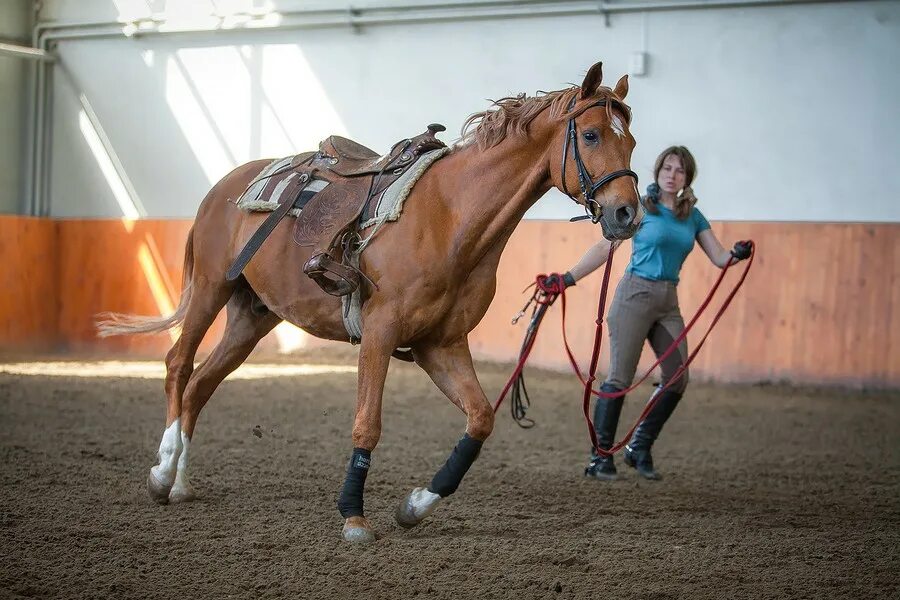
(589, 187)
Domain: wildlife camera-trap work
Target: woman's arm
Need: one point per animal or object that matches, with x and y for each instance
(718, 255)
(592, 259)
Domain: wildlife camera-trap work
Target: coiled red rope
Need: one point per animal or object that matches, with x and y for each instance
(549, 288)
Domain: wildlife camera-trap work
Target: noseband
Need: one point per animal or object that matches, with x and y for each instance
(589, 187)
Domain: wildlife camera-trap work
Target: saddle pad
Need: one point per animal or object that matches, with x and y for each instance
(265, 192)
(389, 206)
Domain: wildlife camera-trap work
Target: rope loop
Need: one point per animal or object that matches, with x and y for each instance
(548, 287)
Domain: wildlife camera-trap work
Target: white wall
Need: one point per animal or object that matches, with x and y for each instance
(790, 110)
(15, 28)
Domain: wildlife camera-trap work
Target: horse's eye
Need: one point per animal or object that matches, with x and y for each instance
(590, 136)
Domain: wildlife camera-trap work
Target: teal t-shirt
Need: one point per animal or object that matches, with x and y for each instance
(662, 243)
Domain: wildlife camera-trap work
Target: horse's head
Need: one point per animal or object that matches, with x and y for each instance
(592, 162)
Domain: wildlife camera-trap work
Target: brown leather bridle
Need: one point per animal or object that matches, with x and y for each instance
(589, 187)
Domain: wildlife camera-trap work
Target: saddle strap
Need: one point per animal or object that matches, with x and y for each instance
(297, 182)
(351, 306)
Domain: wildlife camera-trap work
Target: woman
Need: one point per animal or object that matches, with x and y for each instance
(646, 304)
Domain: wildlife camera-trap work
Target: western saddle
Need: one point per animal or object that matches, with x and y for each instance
(329, 221)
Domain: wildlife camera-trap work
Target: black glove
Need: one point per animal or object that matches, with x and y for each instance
(742, 250)
(553, 280)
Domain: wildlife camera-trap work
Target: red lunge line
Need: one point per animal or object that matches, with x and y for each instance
(546, 294)
(543, 294)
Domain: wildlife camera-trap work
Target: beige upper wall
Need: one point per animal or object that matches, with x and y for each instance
(789, 108)
(15, 28)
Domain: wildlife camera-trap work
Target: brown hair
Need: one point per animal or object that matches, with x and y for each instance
(684, 201)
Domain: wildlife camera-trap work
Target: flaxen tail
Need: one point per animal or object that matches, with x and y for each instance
(109, 323)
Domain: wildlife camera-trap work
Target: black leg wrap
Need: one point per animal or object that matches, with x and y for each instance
(448, 478)
(350, 502)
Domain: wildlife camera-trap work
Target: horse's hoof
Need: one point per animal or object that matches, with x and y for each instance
(159, 492)
(415, 507)
(182, 493)
(358, 531)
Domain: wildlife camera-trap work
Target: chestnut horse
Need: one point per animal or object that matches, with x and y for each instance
(434, 274)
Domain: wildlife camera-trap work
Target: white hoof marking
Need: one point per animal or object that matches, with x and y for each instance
(182, 490)
(169, 452)
(158, 492)
(416, 506)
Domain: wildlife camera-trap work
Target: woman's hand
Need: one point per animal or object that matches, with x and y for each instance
(552, 280)
(742, 250)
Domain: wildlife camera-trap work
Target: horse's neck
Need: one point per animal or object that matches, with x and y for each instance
(491, 193)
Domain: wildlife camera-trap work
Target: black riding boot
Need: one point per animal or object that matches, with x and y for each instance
(637, 452)
(606, 419)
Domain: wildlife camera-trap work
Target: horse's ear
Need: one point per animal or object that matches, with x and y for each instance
(621, 88)
(592, 80)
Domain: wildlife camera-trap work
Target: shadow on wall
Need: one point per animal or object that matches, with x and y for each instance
(196, 106)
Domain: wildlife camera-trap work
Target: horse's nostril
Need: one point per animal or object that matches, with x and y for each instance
(624, 215)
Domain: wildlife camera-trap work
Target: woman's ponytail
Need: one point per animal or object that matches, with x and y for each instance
(684, 202)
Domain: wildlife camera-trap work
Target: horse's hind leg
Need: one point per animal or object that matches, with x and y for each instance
(248, 322)
(451, 369)
(207, 299)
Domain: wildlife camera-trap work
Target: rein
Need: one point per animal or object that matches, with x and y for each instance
(545, 295)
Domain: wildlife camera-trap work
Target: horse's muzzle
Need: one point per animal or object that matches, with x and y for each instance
(619, 223)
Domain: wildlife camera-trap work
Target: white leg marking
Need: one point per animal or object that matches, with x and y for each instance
(169, 452)
(182, 490)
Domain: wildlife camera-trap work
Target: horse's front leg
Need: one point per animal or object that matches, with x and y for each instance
(451, 369)
(374, 356)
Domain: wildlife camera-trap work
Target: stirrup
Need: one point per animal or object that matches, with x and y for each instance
(321, 265)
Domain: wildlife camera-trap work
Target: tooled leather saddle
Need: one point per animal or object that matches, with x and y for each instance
(356, 177)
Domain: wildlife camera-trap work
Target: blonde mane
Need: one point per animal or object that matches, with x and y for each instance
(512, 115)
